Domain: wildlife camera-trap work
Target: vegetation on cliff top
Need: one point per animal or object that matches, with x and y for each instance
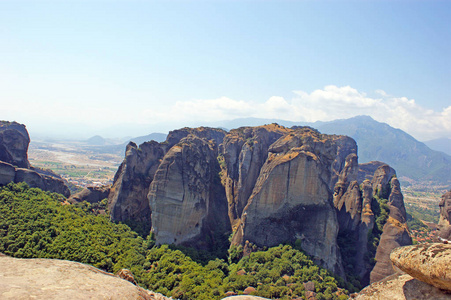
(34, 223)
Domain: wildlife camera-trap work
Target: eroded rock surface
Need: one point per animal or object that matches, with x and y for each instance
(429, 262)
(269, 185)
(91, 194)
(60, 279)
(444, 224)
(401, 286)
(127, 200)
(395, 231)
(14, 165)
(187, 200)
(294, 191)
(14, 141)
(244, 151)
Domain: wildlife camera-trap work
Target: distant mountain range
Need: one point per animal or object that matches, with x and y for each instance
(414, 161)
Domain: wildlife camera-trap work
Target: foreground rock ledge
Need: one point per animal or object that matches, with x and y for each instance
(430, 263)
(401, 286)
(60, 279)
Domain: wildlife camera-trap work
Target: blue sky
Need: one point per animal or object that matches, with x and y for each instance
(94, 65)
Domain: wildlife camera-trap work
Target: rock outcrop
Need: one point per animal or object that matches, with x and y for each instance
(244, 151)
(128, 196)
(355, 205)
(428, 275)
(401, 286)
(14, 165)
(292, 197)
(14, 141)
(174, 186)
(444, 224)
(91, 194)
(429, 263)
(395, 232)
(268, 185)
(60, 279)
(186, 196)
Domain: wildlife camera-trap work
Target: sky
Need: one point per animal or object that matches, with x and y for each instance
(80, 68)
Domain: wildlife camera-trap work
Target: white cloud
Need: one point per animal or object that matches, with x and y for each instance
(326, 104)
(330, 103)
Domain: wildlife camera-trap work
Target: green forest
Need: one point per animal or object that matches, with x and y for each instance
(37, 224)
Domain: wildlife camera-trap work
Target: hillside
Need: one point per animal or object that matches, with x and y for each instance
(36, 224)
(414, 161)
(379, 141)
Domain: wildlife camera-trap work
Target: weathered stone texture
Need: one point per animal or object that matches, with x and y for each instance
(401, 286)
(91, 194)
(127, 200)
(187, 200)
(444, 224)
(60, 279)
(293, 191)
(395, 232)
(429, 262)
(14, 165)
(14, 140)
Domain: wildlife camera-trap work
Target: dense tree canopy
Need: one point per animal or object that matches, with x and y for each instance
(34, 223)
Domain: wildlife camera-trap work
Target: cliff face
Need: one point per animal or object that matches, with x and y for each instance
(445, 217)
(268, 185)
(244, 151)
(183, 169)
(395, 232)
(127, 200)
(14, 141)
(91, 194)
(187, 200)
(14, 165)
(292, 198)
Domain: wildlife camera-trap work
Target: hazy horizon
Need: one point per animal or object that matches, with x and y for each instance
(130, 68)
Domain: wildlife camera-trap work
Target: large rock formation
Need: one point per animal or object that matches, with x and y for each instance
(428, 275)
(275, 184)
(91, 194)
(400, 286)
(292, 198)
(395, 232)
(429, 263)
(444, 223)
(128, 195)
(14, 165)
(185, 170)
(14, 141)
(60, 279)
(187, 199)
(244, 151)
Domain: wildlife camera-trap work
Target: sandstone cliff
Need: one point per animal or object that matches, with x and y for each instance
(428, 275)
(395, 232)
(444, 223)
(14, 165)
(14, 141)
(292, 197)
(243, 153)
(128, 196)
(268, 185)
(91, 194)
(174, 186)
(187, 199)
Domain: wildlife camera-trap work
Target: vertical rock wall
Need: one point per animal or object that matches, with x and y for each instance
(188, 206)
